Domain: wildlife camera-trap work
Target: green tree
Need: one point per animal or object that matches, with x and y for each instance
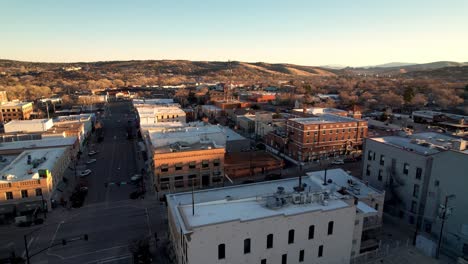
(408, 94)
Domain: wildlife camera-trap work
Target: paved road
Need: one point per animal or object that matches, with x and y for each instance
(109, 217)
(115, 160)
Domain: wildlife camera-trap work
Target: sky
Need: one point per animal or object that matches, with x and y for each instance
(306, 32)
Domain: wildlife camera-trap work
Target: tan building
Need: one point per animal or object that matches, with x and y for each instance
(3, 97)
(15, 111)
(30, 180)
(185, 156)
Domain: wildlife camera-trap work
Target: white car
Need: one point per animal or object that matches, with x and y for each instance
(91, 161)
(92, 152)
(338, 162)
(85, 173)
(135, 178)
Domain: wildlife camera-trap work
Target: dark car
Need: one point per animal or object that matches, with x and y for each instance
(273, 176)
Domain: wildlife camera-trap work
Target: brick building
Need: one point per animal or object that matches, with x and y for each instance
(15, 111)
(311, 138)
(185, 156)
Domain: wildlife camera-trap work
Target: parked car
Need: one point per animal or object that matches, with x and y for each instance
(92, 152)
(136, 178)
(337, 162)
(91, 161)
(85, 173)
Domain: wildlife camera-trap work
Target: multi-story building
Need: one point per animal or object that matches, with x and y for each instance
(31, 179)
(311, 138)
(34, 125)
(187, 157)
(15, 110)
(16, 147)
(365, 235)
(269, 222)
(419, 172)
(150, 114)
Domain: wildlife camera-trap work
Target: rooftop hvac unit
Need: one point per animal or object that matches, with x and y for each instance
(296, 198)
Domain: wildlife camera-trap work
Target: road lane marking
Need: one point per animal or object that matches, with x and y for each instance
(114, 258)
(93, 252)
(29, 246)
(55, 235)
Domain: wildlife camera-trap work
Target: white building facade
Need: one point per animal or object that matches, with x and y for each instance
(418, 173)
(268, 222)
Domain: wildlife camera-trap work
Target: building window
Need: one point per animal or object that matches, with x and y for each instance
(369, 155)
(216, 162)
(270, 241)
(178, 166)
(247, 246)
(38, 192)
(192, 165)
(24, 193)
(164, 168)
(436, 183)
(405, 168)
(311, 231)
(205, 164)
(379, 177)
(291, 236)
(320, 251)
(301, 255)
(368, 170)
(382, 159)
(418, 173)
(284, 259)
(192, 180)
(221, 251)
(263, 261)
(330, 228)
(9, 195)
(414, 204)
(416, 190)
(179, 181)
(376, 206)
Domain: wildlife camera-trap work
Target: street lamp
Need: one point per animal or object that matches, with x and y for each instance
(445, 213)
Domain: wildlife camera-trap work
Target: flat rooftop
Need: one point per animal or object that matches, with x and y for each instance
(231, 135)
(32, 121)
(19, 170)
(246, 203)
(339, 179)
(189, 135)
(324, 119)
(41, 143)
(423, 143)
(14, 104)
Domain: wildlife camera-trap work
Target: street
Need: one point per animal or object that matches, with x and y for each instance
(109, 218)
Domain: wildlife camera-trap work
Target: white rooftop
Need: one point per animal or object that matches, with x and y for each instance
(325, 118)
(231, 135)
(32, 121)
(153, 101)
(338, 179)
(423, 143)
(19, 170)
(320, 110)
(189, 135)
(245, 203)
(41, 143)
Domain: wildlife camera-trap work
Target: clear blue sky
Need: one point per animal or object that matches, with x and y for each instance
(308, 32)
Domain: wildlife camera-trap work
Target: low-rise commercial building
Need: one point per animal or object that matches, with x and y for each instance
(15, 110)
(34, 125)
(31, 180)
(418, 172)
(268, 222)
(187, 157)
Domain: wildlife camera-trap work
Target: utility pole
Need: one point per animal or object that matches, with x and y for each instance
(445, 211)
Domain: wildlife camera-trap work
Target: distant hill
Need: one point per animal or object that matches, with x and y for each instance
(392, 65)
(389, 70)
(182, 68)
(452, 74)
